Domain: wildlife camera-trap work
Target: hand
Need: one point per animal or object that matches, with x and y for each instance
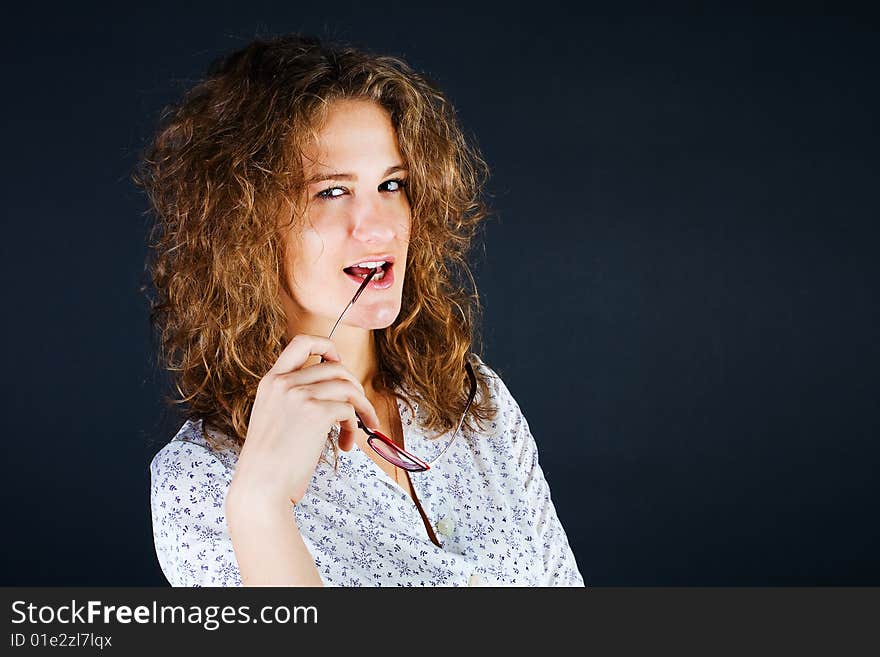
(294, 409)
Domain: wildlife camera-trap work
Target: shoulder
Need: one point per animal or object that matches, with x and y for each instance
(509, 433)
(484, 372)
(499, 394)
(189, 455)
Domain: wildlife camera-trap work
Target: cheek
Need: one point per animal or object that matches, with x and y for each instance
(319, 213)
(404, 224)
(304, 257)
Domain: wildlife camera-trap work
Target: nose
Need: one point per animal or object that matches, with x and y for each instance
(376, 220)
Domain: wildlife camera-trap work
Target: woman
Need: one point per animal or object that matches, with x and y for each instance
(271, 181)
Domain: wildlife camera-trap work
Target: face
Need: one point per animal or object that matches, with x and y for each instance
(357, 211)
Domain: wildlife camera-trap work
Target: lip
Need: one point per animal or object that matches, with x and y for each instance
(373, 258)
(386, 282)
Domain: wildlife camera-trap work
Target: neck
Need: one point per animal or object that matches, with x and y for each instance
(357, 349)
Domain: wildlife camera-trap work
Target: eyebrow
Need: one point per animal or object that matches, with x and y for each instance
(336, 175)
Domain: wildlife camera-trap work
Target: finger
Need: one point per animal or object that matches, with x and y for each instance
(337, 391)
(348, 430)
(344, 414)
(300, 348)
(321, 372)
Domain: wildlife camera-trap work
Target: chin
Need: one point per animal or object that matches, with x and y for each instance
(376, 317)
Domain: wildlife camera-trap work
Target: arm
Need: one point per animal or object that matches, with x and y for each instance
(560, 567)
(192, 499)
(268, 544)
(534, 503)
(188, 486)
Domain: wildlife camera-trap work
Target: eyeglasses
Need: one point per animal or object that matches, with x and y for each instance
(382, 444)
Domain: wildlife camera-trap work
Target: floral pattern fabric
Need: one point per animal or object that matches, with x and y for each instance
(486, 498)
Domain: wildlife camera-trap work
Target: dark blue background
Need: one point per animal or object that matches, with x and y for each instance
(678, 281)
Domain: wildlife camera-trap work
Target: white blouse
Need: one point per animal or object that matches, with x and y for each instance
(486, 497)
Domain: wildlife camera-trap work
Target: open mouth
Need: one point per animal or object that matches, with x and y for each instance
(382, 280)
(363, 271)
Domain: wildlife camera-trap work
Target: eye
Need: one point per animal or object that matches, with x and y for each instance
(328, 193)
(398, 184)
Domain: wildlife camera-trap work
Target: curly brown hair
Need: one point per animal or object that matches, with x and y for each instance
(222, 170)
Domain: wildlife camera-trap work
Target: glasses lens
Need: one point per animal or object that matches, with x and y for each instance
(393, 455)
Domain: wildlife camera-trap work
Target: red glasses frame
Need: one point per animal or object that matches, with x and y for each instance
(382, 444)
(404, 459)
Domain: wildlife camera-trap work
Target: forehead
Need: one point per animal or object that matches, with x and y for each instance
(353, 133)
